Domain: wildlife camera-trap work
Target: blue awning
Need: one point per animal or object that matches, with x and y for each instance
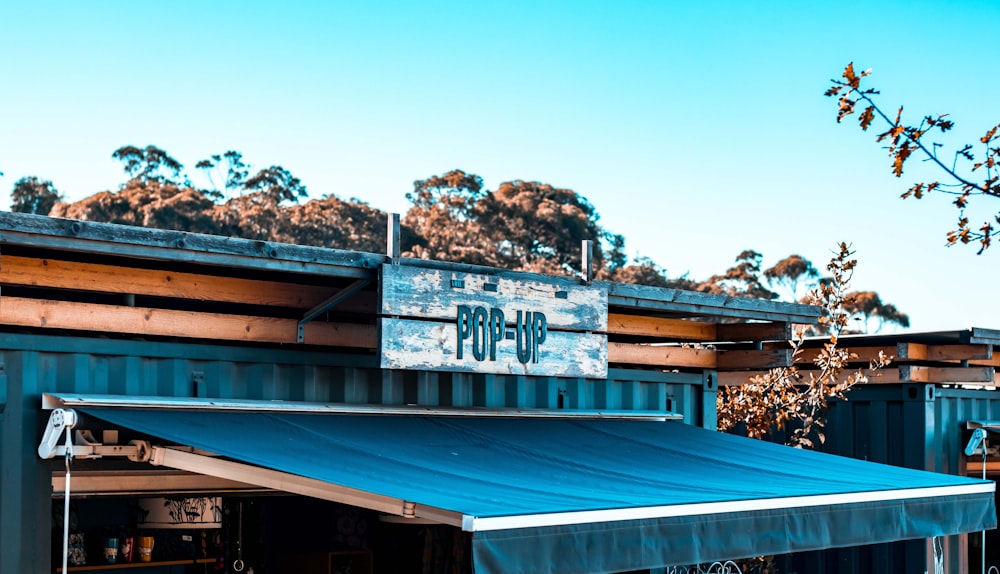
(571, 496)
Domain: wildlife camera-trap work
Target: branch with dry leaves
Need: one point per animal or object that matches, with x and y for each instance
(787, 398)
(903, 140)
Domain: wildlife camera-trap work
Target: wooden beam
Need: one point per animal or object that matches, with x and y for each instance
(764, 359)
(660, 327)
(917, 374)
(891, 375)
(880, 376)
(920, 352)
(112, 279)
(992, 362)
(974, 466)
(665, 356)
(754, 331)
(170, 323)
(864, 354)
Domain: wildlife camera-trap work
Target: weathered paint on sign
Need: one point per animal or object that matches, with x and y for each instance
(433, 345)
(435, 294)
(436, 319)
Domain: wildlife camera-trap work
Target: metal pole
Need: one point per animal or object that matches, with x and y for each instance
(984, 531)
(69, 457)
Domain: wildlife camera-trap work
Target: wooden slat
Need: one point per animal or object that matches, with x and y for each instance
(718, 305)
(661, 327)
(170, 323)
(149, 243)
(914, 352)
(112, 279)
(665, 356)
(974, 466)
(864, 354)
(920, 352)
(946, 374)
(763, 359)
(881, 376)
(754, 331)
(891, 375)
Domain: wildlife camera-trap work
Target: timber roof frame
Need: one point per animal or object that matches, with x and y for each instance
(156, 244)
(134, 282)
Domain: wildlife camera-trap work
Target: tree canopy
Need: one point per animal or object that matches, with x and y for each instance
(33, 195)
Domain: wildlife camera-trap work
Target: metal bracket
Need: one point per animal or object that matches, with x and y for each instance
(85, 446)
(330, 303)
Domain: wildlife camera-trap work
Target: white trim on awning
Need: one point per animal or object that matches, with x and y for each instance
(52, 401)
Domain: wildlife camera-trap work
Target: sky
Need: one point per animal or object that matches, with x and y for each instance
(696, 129)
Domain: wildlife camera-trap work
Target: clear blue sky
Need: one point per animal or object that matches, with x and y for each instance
(697, 129)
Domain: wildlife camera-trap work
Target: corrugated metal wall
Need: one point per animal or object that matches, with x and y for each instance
(918, 426)
(33, 364)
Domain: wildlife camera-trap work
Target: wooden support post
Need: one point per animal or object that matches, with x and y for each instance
(392, 238)
(587, 261)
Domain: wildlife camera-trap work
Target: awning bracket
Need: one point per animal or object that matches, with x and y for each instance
(330, 303)
(84, 446)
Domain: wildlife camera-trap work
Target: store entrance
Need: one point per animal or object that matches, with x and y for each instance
(258, 534)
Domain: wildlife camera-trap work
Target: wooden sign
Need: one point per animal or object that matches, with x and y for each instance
(434, 319)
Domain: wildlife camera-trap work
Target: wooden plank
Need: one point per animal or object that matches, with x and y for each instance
(418, 292)
(145, 242)
(170, 323)
(433, 345)
(660, 327)
(865, 355)
(665, 356)
(113, 279)
(678, 300)
(918, 374)
(889, 375)
(753, 359)
(772, 331)
(921, 352)
(974, 466)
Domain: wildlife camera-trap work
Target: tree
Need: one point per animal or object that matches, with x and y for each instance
(160, 205)
(538, 227)
(234, 172)
(149, 164)
(791, 273)
(339, 224)
(33, 195)
(523, 225)
(784, 397)
(444, 213)
(277, 184)
(642, 271)
(866, 306)
(966, 177)
(743, 279)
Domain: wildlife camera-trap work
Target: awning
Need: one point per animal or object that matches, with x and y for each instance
(570, 496)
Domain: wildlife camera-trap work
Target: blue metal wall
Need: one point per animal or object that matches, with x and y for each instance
(918, 426)
(34, 364)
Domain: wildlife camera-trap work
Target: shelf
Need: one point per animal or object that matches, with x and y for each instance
(123, 565)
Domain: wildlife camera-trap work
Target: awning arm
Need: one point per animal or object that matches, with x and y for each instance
(84, 445)
(249, 474)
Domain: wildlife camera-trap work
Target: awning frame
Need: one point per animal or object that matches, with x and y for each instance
(52, 401)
